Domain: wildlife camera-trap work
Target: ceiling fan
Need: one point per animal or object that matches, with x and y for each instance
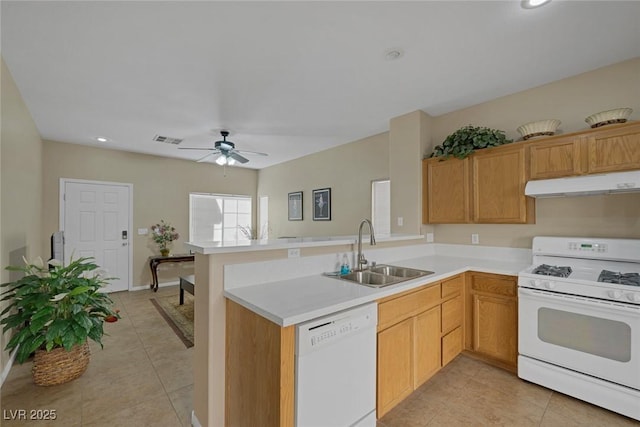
(226, 151)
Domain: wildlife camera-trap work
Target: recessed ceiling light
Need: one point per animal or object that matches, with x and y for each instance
(532, 4)
(393, 54)
(101, 139)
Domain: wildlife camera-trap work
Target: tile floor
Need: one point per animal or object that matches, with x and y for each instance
(143, 378)
(468, 392)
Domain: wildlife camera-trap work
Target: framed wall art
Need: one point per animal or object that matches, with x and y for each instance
(322, 204)
(295, 206)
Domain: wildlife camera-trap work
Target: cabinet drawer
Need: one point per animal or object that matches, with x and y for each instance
(395, 310)
(452, 314)
(452, 286)
(494, 284)
(451, 345)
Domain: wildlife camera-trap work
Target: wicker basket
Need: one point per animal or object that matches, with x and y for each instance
(59, 366)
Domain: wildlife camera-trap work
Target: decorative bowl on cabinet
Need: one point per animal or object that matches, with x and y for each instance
(618, 115)
(539, 128)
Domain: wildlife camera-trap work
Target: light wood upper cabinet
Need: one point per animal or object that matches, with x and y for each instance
(486, 187)
(616, 149)
(555, 159)
(499, 178)
(447, 195)
(606, 149)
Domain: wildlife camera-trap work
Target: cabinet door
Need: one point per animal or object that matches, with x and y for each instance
(395, 365)
(427, 345)
(447, 191)
(498, 192)
(554, 159)
(495, 323)
(614, 150)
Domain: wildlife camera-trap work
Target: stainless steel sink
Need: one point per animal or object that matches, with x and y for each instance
(369, 278)
(391, 270)
(382, 275)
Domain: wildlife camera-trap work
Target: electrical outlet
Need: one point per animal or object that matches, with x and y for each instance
(294, 253)
(429, 237)
(475, 239)
(400, 221)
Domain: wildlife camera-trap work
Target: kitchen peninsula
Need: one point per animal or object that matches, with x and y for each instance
(256, 291)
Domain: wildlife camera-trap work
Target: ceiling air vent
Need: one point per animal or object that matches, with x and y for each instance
(167, 139)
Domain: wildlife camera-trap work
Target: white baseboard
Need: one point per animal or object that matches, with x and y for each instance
(194, 420)
(147, 287)
(7, 367)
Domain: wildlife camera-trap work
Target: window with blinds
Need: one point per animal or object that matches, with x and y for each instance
(219, 218)
(381, 206)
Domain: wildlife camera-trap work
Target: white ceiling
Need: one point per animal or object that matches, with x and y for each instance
(288, 78)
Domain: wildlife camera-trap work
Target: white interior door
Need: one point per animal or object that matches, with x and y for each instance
(95, 218)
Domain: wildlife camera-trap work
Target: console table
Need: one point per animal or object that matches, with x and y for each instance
(155, 261)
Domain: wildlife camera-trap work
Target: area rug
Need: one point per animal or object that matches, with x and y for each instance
(179, 317)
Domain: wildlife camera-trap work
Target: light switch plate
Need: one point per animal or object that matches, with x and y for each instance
(475, 239)
(294, 253)
(429, 237)
(400, 221)
(143, 231)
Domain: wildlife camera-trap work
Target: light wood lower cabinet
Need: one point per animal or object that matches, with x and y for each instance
(260, 370)
(494, 318)
(426, 351)
(418, 332)
(451, 345)
(395, 365)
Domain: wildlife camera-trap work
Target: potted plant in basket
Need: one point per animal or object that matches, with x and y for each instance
(163, 234)
(467, 139)
(54, 311)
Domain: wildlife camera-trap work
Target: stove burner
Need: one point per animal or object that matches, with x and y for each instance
(629, 279)
(552, 270)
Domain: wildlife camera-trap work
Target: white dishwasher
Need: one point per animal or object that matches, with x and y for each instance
(336, 369)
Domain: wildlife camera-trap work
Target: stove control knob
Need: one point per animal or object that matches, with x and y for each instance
(615, 294)
(634, 297)
(549, 285)
(533, 283)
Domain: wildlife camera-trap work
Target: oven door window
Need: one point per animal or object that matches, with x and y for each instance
(594, 335)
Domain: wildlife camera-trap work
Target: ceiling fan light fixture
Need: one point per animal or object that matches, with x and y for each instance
(221, 160)
(231, 161)
(532, 4)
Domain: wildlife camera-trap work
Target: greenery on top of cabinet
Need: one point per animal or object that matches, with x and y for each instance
(466, 140)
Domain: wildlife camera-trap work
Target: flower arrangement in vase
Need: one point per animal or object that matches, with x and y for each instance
(163, 234)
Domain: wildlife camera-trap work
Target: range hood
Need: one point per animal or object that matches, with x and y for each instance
(585, 185)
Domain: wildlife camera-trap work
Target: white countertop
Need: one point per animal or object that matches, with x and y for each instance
(287, 243)
(289, 302)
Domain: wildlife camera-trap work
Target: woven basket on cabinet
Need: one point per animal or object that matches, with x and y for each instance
(59, 366)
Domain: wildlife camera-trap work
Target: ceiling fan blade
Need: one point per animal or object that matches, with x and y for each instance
(251, 152)
(194, 148)
(237, 157)
(202, 159)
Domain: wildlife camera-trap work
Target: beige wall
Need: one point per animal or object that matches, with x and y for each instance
(414, 134)
(20, 186)
(348, 170)
(569, 100)
(161, 188)
(408, 136)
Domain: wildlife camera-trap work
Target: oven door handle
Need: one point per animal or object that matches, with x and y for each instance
(618, 306)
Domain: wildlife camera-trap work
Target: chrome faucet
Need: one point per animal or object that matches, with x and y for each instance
(361, 259)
